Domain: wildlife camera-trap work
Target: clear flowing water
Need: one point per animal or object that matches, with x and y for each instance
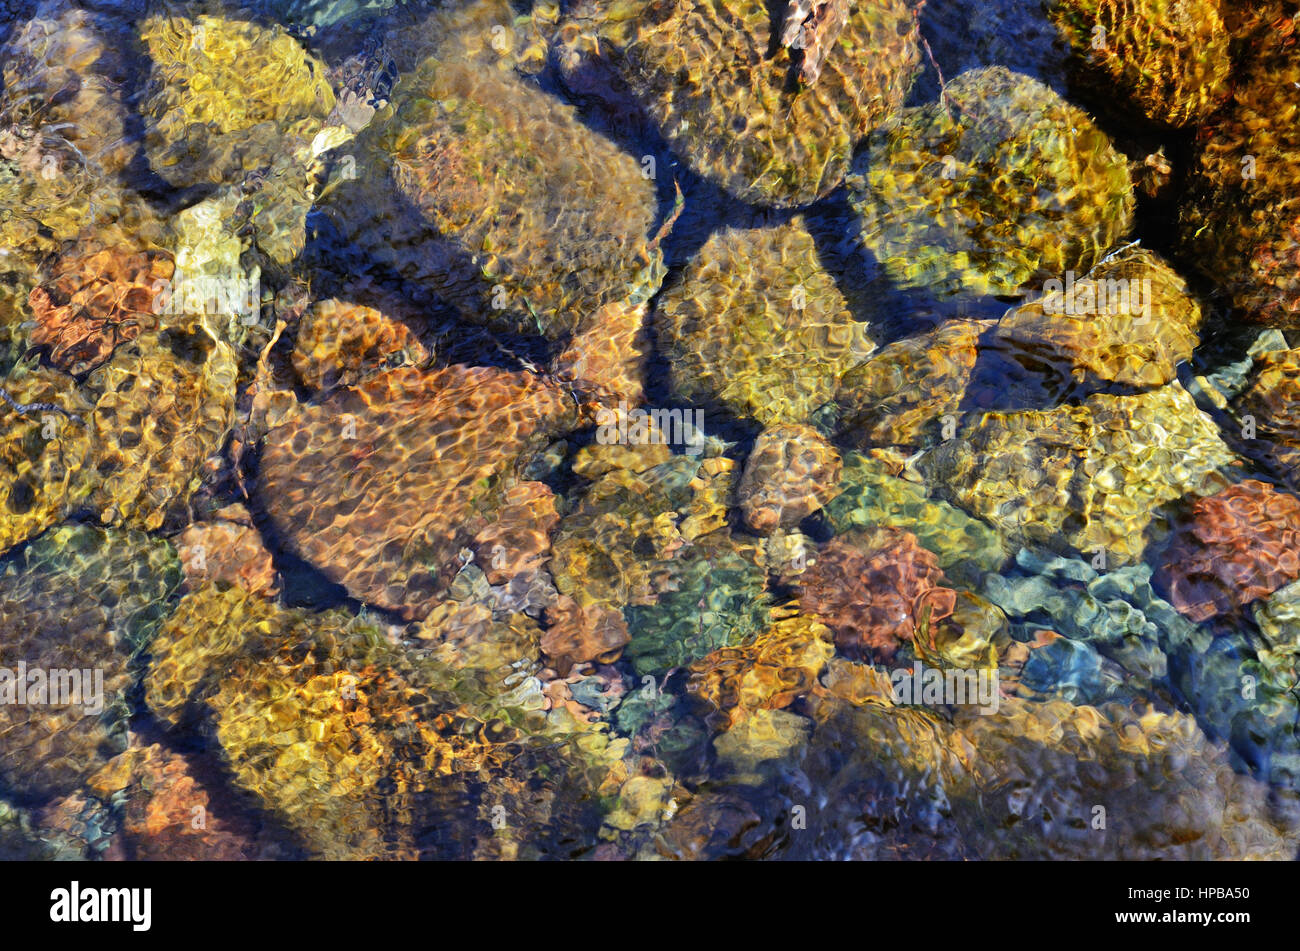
(669, 429)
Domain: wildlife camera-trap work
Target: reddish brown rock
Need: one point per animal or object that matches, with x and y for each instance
(381, 486)
(579, 634)
(518, 541)
(94, 302)
(607, 362)
(339, 343)
(170, 813)
(873, 589)
(1239, 545)
(230, 551)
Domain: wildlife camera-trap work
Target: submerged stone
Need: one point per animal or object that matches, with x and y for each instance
(770, 672)
(652, 543)
(758, 325)
(873, 494)
(1268, 410)
(999, 185)
(237, 104)
(63, 128)
(1169, 57)
(78, 604)
(44, 452)
(381, 485)
(492, 195)
(905, 393)
(363, 749)
(1129, 320)
(1086, 478)
(166, 403)
(225, 98)
(874, 589)
(94, 300)
(339, 343)
(705, 73)
(791, 472)
(1237, 546)
(1240, 225)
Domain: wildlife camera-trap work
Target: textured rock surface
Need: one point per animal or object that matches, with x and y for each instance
(652, 541)
(710, 595)
(96, 300)
(1088, 477)
(339, 343)
(166, 404)
(1237, 546)
(1169, 57)
(491, 194)
(759, 326)
(381, 485)
(609, 359)
(174, 810)
(998, 186)
(228, 550)
(77, 599)
(874, 589)
(62, 128)
(1241, 223)
(1130, 320)
(791, 472)
(872, 494)
(705, 73)
(1270, 408)
(364, 750)
(900, 396)
(43, 453)
(226, 97)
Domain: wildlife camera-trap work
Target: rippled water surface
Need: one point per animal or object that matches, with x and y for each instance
(649, 429)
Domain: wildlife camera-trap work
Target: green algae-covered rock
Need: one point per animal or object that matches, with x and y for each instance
(649, 539)
(1083, 478)
(1129, 320)
(757, 325)
(365, 750)
(999, 185)
(711, 595)
(490, 193)
(873, 495)
(76, 599)
(1168, 57)
(729, 99)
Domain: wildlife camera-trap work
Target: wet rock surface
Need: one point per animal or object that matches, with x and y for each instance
(648, 429)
